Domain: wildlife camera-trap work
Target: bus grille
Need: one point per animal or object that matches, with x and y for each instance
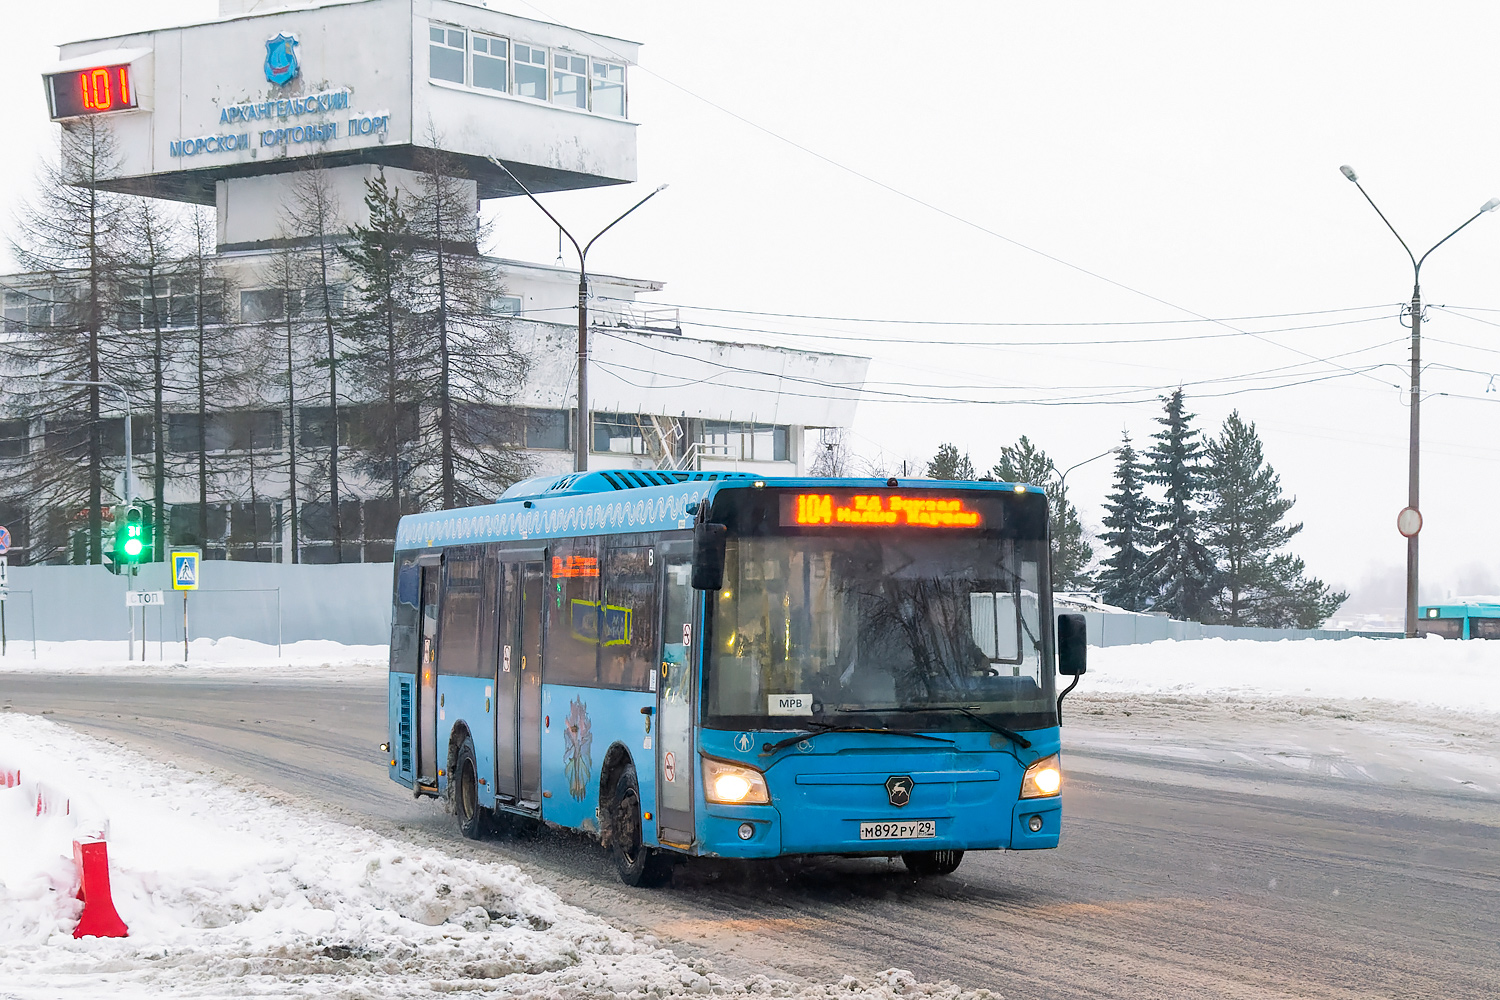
(403, 727)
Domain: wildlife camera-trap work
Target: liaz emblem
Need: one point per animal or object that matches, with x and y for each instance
(281, 60)
(898, 789)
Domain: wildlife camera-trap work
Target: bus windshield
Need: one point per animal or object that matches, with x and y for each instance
(895, 629)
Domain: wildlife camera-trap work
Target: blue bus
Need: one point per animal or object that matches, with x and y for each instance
(713, 664)
(1465, 618)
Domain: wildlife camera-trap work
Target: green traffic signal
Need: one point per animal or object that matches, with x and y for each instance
(133, 535)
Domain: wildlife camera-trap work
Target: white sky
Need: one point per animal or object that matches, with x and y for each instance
(1183, 150)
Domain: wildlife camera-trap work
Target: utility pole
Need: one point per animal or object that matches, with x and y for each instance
(581, 441)
(1409, 522)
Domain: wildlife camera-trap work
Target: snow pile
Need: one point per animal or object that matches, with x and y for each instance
(1450, 674)
(228, 894)
(308, 657)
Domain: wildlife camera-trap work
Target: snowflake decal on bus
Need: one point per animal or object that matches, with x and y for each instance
(578, 740)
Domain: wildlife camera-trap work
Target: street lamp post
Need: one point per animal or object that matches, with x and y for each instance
(581, 444)
(1414, 442)
(1062, 492)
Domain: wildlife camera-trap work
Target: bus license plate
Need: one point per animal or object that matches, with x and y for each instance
(914, 829)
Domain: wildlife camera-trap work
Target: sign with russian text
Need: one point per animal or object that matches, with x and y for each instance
(144, 599)
(877, 510)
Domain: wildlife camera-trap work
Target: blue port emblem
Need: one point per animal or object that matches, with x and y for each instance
(281, 60)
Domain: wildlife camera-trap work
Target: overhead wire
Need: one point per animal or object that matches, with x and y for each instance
(914, 199)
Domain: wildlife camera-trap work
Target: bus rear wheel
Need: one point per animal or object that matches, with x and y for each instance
(473, 819)
(639, 866)
(924, 863)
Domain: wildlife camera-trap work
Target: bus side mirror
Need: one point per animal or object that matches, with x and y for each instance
(1072, 645)
(709, 540)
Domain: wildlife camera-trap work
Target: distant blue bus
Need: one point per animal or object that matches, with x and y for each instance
(1464, 620)
(713, 664)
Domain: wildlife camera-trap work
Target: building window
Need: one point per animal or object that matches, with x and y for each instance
(445, 52)
(619, 434)
(505, 305)
(531, 71)
(570, 85)
(170, 303)
(239, 430)
(71, 436)
(491, 63)
(737, 442)
(34, 308)
(608, 82)
(15, 438)
(263, 305)
(513, 427)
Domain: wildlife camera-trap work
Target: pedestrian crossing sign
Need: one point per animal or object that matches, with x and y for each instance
(185, 570)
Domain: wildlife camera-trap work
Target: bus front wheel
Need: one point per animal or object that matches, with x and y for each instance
(639, 865)
(922, 863)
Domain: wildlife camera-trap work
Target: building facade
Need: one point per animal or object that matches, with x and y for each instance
(244, 114)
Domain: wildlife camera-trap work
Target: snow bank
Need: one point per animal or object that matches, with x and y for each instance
(228, 894)
(1443, 673)
(308, 657)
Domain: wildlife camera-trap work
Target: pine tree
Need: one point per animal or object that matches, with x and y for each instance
(1245, 526)
(475, 366)
(949, 464)
(1181, 569)
(155, 252)
(1243, 523)
(1024, 462)
(1294, 599)
(72, 227)
(315, 213)
(1128, 513)
(380, 330)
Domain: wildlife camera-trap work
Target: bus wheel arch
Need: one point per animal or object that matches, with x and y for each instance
(616, 760)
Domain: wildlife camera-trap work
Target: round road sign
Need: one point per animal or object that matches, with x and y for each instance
(4, 540)
(1409, 521)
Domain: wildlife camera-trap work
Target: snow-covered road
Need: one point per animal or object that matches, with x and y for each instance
(230, 894)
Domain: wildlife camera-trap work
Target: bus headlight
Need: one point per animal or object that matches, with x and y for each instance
(733, 785)
(1042, 779)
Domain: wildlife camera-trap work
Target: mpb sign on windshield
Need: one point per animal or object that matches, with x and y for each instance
(789, 704)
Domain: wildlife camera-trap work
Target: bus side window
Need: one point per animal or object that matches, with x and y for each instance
(572, 602)
(627, 649)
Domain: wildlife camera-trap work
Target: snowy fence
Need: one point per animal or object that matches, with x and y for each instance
(1127, 629)
(265, 602)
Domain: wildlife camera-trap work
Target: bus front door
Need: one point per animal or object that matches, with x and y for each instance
(533, 609)
(674, 704)
(427, 757)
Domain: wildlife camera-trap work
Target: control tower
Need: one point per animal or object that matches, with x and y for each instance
(231, 112)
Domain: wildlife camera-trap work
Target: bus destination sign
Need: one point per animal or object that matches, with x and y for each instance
(867, 510)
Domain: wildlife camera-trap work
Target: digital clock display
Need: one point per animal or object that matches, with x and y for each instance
(91, 91)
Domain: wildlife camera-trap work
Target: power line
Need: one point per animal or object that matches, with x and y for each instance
(1030, 343)
(1002, 323)
(933, 207)
(887, 395)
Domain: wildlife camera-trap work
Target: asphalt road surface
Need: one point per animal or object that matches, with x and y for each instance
(1208, 851)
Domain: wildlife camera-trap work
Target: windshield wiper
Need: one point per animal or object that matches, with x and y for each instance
(824, 727)
(1009, 734)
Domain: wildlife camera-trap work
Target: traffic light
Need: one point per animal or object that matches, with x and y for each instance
(133, 535)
